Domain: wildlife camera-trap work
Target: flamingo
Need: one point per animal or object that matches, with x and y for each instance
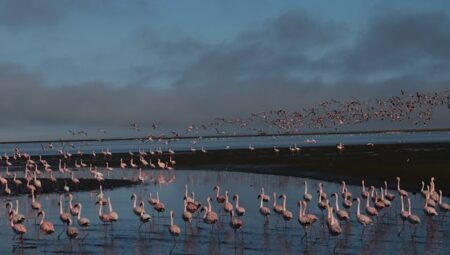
(18, 228)
(75, 180)
(364, 192)
(287, 215)
(104, 217)
(403, 215)
(210, 217)
(82, 222)
(17, 182)
(413, 219)
(122, 164)
(389, 196)
(333, 227)
(372, 211)
(74, 210)
(429, 211)
(401, 192)
(220, 199)
(304, 219)
(278, 209)
(265, 211)
(345, 192)
(307, 196)
(152, 201)
(114, 216)
(143, 216)
(235, 223)
(161, 164)
(159, 206)
(240, 211)
(187, 215)
(342, 214)
(265, 197)
(63, 216)
(174, 230)
(71, 232)
(443, 206)
(228, 206)
(133, 165)
(34, 204)
(136, 209)
(46, 227)
(364, 220)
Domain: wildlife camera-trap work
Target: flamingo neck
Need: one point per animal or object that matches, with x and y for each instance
(337, 204)
(237, 201)
(284, 203)
(171, 219)
(440, 197)
(79, 212)
(423, 187)
(110, 205)
(398, 184)
(304, 209)
(209, 205)
(60, 205)
(358, 212)
(274, 199)
(403, 206)
(134, 202)
(301, 210)
(100, 209)
(363, 187)
(261, 203)
(409, 206)
(217, 191)
(306, 187)
(343, 187)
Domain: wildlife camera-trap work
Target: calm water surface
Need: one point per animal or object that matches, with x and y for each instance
(432, 236)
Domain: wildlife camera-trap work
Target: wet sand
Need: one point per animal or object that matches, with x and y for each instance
(413, 162)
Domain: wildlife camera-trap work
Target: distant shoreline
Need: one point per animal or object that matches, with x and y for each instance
(385, 131)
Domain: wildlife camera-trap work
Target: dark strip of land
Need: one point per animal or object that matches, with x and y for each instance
(412, 162)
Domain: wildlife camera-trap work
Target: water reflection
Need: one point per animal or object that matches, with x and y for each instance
(199, 238)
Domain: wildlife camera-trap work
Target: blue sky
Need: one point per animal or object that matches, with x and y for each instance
(180, 55)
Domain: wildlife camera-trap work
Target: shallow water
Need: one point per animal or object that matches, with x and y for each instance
(256, 238)
(234, 142)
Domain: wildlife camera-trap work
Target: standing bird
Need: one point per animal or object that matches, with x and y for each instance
(46, 227)
(413, 219)
(143, 217)
(71, 232)
(443, 206)
(364, 192)
(287, 215)
(307, 196)
(364, 220)
(34, 204)
(341, 214)
(265, 197)
(389, 196)
(401, 192)
(228, 207)
(136, 209)
(333, 227)
(304, 219)
(63, 216)
(104, 217)
(220, 199)
(345, 193)
(429, 211)
(240, 211)
(18, 228)
(159, 206)
(235, 223)
(265, 211)
(174, 230)
(278, 209)
(187, 216)
(372, 211)
(114, 216)
(82, 222)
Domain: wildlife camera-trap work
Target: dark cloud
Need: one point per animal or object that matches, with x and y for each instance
(17, 14)
(290, 62)
(400, 41)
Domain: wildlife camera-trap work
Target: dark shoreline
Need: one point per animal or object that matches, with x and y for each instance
(412, 162)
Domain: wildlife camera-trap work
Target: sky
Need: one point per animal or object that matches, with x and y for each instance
(101, 64)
